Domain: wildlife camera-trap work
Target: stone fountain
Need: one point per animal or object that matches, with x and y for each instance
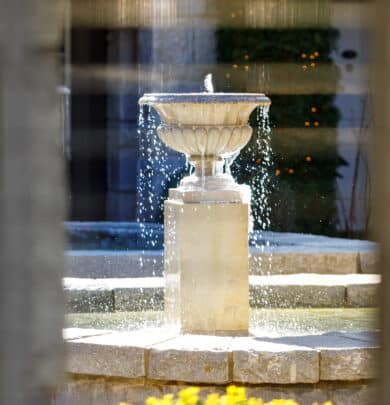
(206, 216)
(206, 291)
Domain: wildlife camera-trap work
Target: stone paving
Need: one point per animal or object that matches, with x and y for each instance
(161, 355)
(278, 291)
(321, 259)
(276, 253)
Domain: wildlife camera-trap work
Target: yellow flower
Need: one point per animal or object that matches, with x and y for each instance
(152, 401)
(325, 403)
(188, 392)
(234, 396)
(227, 400)
(255, 401)
(192, 400)
(188, 396)
(232, 390)
(212, 399)
(166, 400)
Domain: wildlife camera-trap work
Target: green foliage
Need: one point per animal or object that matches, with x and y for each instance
(292, 111)
(302, 174)
(275, 45)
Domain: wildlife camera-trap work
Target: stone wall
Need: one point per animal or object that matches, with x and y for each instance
(103, 391)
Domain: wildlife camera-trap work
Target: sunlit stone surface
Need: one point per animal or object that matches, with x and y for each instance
(85, 295)
(258, 361)
(159, 354)
(206, 267)
(279, 253)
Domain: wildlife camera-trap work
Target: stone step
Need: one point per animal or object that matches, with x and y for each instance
(268, 261)
(270, 252)
(277, 291)
(158, 354)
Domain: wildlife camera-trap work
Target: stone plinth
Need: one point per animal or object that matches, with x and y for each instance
(206, 267)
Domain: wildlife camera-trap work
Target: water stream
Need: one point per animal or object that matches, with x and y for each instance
(208, 83)
(261, 187)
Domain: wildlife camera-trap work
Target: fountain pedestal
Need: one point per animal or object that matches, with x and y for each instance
(206, 267)
(206, 217)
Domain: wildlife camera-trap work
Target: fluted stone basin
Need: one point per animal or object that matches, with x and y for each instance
(208, 128)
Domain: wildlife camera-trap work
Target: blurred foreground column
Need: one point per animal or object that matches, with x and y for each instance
(31, 202)
(382, 180)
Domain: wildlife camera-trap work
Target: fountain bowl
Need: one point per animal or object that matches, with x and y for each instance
(208, 128)
(205, 124)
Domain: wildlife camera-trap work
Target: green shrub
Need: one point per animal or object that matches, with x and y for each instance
(305, 160)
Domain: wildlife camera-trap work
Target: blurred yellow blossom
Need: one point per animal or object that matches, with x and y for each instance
(255, 401)
(188, 392)
(237, 394)
(187, 396)
(152, 401)
(234, 396)
(212, 399)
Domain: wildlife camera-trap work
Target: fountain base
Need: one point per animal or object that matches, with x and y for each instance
(235, 193)
(206, 267)
(106, 367)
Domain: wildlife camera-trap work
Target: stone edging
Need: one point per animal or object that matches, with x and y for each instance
(160, 355)
(106, 263)
(284, 291)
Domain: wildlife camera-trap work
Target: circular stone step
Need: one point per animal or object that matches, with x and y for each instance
(270, 253)
(161, 355)
(278, 291)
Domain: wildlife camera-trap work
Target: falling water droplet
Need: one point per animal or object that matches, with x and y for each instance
(208, 83)
(261, 186)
